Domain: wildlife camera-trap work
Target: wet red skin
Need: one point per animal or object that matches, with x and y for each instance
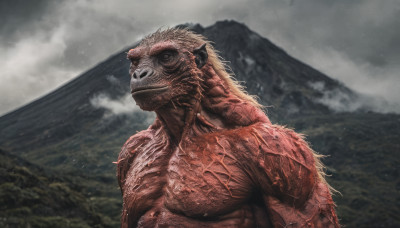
(229, 167)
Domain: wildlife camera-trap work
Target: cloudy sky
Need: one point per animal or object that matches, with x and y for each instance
(45, 43)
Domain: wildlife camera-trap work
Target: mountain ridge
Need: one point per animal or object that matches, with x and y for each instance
(281, 90)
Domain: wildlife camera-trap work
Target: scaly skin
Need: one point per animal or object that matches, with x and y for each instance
(254, 174)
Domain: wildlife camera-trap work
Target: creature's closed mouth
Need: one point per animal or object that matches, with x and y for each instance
(148, 89)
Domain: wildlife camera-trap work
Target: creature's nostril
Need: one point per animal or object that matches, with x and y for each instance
(143, 74)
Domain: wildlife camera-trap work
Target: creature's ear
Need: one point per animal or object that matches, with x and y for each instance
(201, 56)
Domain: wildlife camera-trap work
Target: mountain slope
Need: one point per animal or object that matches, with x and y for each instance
(79, 128)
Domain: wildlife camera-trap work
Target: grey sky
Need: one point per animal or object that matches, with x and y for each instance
(43, 44)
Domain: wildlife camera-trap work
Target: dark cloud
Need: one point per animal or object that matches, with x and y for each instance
(355, 42)
(19, 18)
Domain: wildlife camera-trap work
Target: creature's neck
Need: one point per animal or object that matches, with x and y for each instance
(218, 109)
(177, 120)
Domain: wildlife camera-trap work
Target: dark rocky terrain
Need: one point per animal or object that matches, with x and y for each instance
(66, 141)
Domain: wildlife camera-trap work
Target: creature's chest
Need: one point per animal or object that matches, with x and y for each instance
(205, 179)
(200, 179)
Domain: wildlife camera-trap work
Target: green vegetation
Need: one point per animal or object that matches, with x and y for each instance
(31, 198)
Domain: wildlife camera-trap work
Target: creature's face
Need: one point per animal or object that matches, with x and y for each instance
(162, 72)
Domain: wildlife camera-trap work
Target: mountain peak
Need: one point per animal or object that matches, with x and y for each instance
(228, 24)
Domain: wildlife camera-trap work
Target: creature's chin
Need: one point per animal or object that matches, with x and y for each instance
(151, 98)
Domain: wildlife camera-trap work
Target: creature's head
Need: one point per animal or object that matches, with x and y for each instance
(177, 65)
(165, 68)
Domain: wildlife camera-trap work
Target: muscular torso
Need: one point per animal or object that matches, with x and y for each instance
(201, 182)
(261, 175)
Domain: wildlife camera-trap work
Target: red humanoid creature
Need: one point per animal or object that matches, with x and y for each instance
(212, 158)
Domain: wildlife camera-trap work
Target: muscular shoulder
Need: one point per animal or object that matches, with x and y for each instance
(281, 161)
(266, 139)
(135, 141)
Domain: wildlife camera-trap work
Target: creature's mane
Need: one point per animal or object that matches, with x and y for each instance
(190, 39)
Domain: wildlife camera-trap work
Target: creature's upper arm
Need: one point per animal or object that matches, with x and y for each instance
(283, 164)
(284, 169)
(128, 154)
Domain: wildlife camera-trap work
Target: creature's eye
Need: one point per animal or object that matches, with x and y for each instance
(166, 56)
(135, 62)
